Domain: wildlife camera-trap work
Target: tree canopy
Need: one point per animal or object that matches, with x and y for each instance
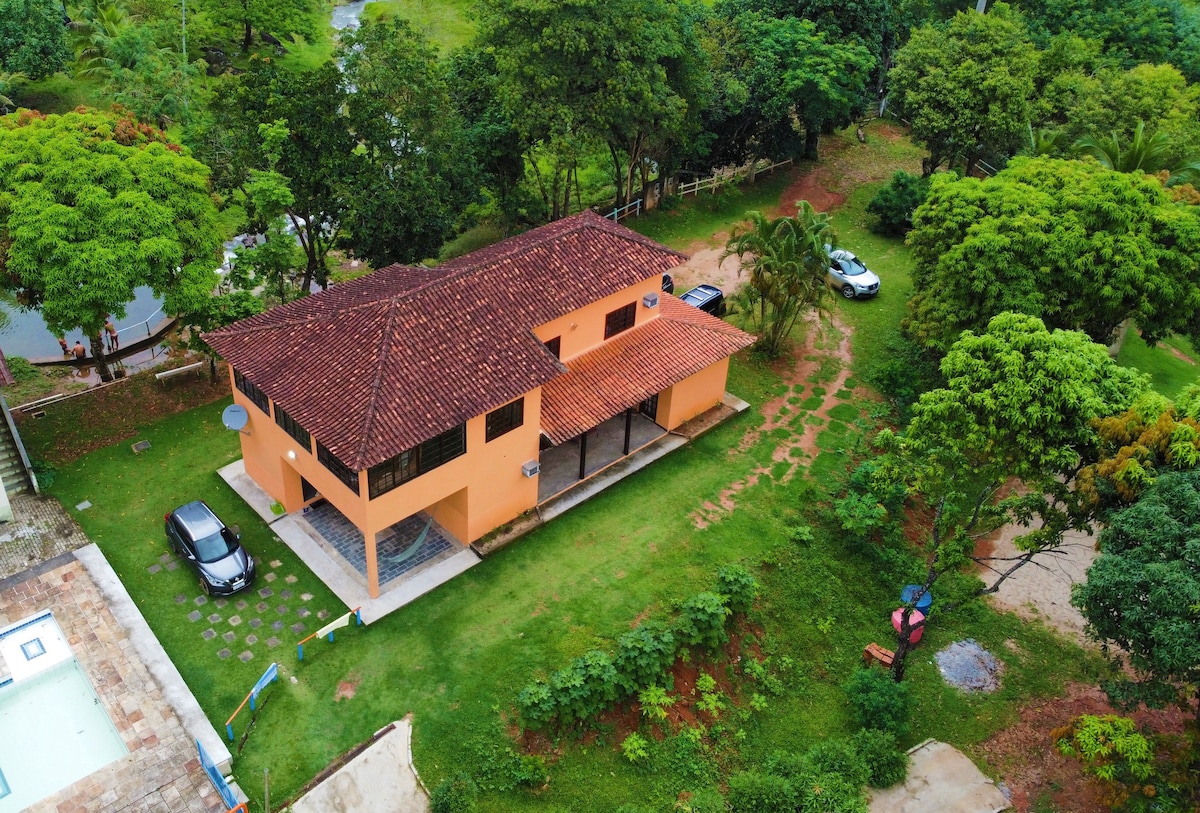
(1143, 592)
(94, 206)
(1018, 405)
(33, 38)
(1077, 245)
(966, 87)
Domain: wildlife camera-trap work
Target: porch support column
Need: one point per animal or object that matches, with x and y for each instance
(582, 454)
(370, 543)
(628, 428)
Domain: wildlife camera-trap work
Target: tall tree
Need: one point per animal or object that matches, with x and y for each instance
(418, 173)
(1141, 152)
(33, 37)
(1142, 594)
(623, 73)
(967, 86)
(1078, 245)
(241, 18)
(786, 260)
(318, 160)
(790, 73)
(94, 206)
(1018, 406)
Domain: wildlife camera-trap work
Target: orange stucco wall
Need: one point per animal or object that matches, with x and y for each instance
(583, 329)
(692, 395)
(476, 492)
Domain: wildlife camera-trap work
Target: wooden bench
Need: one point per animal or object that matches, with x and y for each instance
(174, 371)
(877, 654)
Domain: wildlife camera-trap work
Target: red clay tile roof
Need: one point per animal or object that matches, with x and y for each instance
(628, 369)
(377, 365)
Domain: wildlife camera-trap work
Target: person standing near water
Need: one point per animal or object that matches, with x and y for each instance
(79, 351)
(62, 342)
(113, 341)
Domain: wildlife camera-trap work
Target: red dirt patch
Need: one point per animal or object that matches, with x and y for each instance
(346, 688)
(1037, 773)
(812, 187)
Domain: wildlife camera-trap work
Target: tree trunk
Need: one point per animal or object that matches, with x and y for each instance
(247, 36)
(212, 368)
(618, 175)
(904, 644)
(811, 136)
(102, 368)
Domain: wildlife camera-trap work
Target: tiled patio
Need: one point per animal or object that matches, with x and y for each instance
(560, 465)
(392, 546)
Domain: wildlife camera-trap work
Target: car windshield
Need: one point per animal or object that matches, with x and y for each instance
(215, 546)
(851, 266)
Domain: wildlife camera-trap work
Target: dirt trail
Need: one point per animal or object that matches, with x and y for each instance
(810, 368)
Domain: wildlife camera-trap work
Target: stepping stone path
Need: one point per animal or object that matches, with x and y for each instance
(246, 617)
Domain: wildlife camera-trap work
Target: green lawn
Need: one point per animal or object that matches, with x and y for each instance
(1171, 364)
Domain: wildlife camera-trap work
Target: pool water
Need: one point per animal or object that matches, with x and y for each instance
(53, 728)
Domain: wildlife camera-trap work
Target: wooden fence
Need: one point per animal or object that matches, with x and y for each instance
(724, 177)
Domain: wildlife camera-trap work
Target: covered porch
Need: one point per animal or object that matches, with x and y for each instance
(590, 452)
(413, 556)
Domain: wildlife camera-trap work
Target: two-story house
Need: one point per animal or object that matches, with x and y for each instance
(435, 389)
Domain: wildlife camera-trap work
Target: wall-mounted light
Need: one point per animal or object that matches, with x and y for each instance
(291, 455)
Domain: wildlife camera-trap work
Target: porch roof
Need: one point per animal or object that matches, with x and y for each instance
(634, 366)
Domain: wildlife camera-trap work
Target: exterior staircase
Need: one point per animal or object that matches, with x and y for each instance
(14, 464)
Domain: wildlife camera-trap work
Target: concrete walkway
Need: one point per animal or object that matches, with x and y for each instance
(940, 780)
(379, 779)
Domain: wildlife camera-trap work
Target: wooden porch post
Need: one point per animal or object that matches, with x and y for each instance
(628, 428)
(582, 454)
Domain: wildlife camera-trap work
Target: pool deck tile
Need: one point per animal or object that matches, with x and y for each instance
(161, 771)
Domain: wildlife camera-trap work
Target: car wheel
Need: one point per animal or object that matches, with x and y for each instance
(848, 291)
(204, 586)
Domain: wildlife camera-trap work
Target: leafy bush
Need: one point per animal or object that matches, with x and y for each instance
(702, 621)
(643, 655)
(860, 514)
(885, 762)
(536, 705)
(838, 757)
(636, 748)
(829, 793)
(878, 702)
(894, 204)
(655, 701)
(902, 370)
(586, 686)
(754, 792)
(22, 371)
(454, 795)
(739, 588)
(531, 771)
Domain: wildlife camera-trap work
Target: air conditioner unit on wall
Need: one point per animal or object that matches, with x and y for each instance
(531, 468)
(650, 300)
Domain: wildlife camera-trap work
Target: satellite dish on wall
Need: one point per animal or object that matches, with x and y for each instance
(235, 417)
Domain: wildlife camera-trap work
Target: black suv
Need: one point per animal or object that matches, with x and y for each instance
(212, 550)
(707, 298)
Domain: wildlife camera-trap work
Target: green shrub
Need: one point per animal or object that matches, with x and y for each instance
(636, 748)
(878, 702)
(839, 757)
(860, 515)
(902, 370)
(531, 771)
(886, 763)
(655, 701)
(536, 705)
(702, 621)
(643, 655)
(22, 371)
(894, 204)
(739, 588)
(829, 793)
(586, 686)
(454, 795)
(754, 792)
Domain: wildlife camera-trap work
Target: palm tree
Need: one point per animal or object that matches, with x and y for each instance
(106, 39)
(1151, 154)
(787, 263)
(1042, 141)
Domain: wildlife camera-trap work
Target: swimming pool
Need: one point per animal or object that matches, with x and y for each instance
(54, 729)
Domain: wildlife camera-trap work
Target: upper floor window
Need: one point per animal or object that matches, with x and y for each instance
(505, 419)
(414, 462)
(256, 396)
(293, 428)
(339, 469)
(619, 320)
(555, 346)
